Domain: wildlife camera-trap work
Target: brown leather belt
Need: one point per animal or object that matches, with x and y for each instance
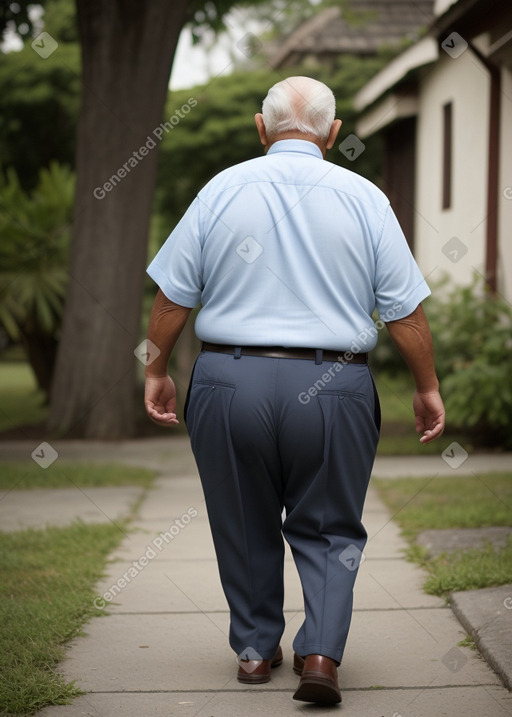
(317, 355)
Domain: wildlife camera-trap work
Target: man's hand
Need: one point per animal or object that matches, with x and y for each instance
(414, 341)
(429, 412)
(166, 322)
(160, 400)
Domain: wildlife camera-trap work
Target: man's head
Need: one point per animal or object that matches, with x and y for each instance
(299, 108)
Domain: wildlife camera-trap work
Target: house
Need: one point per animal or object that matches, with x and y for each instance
(356, 27)
(444, 109)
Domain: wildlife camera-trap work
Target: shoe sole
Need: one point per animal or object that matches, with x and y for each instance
(251, 679)
(316, 690)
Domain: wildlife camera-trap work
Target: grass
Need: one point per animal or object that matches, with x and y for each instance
(469, 570)
(408, 443)
(46, 594)
(47, 581)
(398, 434)
(16, 476)
(20, 402)
(454, 502)
(467, 642)
(395, 393)
(448, 501)
(22, 405)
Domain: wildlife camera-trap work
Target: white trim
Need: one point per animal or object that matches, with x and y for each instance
(424, 52)
(442, 6)
(391, 108)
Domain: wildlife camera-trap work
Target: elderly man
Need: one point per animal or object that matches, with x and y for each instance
(289, 256)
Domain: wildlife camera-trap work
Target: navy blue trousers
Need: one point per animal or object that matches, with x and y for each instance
(269, 434)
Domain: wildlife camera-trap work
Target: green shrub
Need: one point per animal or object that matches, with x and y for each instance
(472, 332)
(35, 232)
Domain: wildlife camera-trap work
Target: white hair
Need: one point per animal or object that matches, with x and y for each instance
(299, 104)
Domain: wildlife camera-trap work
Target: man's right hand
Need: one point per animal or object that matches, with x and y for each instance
(160, 400)
(430, 415)
(414, 341)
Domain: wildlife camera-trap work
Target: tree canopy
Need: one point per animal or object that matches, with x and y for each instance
(40, 104)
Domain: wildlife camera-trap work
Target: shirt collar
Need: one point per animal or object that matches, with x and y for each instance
(301, 146)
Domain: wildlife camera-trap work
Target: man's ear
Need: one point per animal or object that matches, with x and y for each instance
(335, 128)
(258, 118)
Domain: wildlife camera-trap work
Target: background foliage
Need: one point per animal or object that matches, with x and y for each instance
(34, 243)
(472, 331)
(40, 106)
(40, 102)
(473, 341)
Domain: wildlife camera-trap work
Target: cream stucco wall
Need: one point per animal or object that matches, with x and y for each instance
(505, 189)
(465, 83)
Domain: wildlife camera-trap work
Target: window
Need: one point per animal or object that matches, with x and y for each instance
(447, 156)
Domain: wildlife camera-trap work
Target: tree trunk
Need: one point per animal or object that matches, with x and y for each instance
(127, 52)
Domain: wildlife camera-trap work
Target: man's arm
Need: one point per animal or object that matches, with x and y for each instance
(165, 325)
(413, 339)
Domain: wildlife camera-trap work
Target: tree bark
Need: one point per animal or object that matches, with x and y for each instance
(127, 52)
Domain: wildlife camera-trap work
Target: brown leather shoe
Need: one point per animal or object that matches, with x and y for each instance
(256, 672)
(298, 664)
(319, 681)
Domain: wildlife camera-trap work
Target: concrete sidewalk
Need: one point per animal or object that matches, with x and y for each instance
(163, 648)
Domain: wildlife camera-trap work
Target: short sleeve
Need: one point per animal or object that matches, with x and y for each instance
(177, 268)
(399, 284)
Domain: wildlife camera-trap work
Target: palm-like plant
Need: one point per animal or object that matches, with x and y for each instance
(34, 243)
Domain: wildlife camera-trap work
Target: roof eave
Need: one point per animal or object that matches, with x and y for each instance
(424, 52)
(390, 109)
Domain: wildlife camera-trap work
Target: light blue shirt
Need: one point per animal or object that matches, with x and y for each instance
(290, 250)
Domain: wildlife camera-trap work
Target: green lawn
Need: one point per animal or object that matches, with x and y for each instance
(47, 583)
(469, 570)
(454, 502)
(46, 594)
(21, 403)
(398, 433)
(448, 501)
(16, 476)
(395, 393)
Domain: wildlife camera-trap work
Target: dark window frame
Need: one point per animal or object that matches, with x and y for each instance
(446, 199)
